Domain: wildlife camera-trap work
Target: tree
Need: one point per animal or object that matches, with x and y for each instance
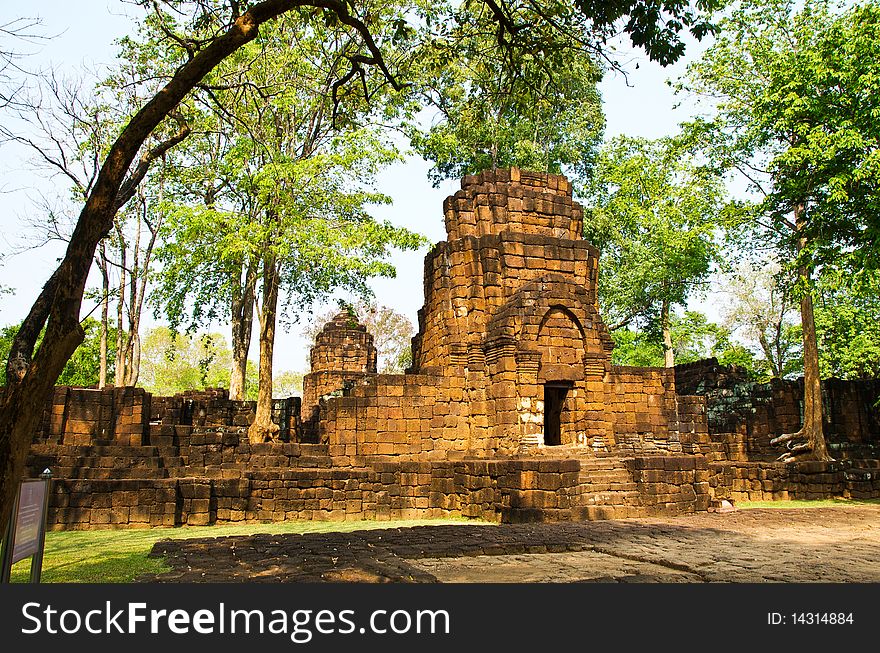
(32, 371)
(31, 374)
(848, 324)
(762, 308)
(794, 97)
(71, 124)
(176, 362)
(13, 34)
(84, 367)
(514, 81)
(286, 162)
(288, 384)
(653, 214)
(392, 335)
(301, 189)
(503, 112)
(693, 337)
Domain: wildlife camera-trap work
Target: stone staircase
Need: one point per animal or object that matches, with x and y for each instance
(608, 490)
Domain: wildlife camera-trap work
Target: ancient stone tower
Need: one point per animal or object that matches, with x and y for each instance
(511, 353)
(510, 299)
(342, 354)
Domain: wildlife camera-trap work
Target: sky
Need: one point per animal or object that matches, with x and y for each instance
(82, 33)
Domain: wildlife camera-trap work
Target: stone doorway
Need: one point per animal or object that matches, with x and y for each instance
(554, 400)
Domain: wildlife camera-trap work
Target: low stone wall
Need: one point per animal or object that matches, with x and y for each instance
(400, 415)
(132, 416)
(200, 452)
(111, 416)
(266, 489)
(646, 413)
(743, 416)
(672, 485)
(763, 481)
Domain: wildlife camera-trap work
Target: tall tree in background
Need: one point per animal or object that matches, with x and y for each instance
(762, 309)
(794, 91)
(693, 338)
(496, 112)
(32, 370)
(848, 324)
(653, 214)
(297, 190)
(71, 125)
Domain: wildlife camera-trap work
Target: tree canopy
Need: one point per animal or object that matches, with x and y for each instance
(653, 213)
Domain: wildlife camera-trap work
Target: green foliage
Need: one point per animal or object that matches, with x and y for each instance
(848, 325)
(795, 93)
(287, 384)
(653, 214)
(693, 338)
(533, 109)
(83, 368)
(175, 362)
(636, 348)
(655, 25)
(514, 81)
(762, 311)
(280, 174)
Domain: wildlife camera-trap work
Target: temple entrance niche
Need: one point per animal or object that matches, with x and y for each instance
(554, 402)
(561, 344)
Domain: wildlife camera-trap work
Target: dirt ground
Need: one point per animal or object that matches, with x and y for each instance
(840, 544)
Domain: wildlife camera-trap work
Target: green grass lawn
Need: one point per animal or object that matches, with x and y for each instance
(119, 556)
(803, 503)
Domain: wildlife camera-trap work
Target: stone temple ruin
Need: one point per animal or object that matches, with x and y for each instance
(511, 411)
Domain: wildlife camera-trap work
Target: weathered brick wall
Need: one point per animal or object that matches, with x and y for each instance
(502, 489)
(470, 280)
(513, 200)
(401, 415)
(84, 416)
(213, 452)
(343, 345)
(646, 413)
(743, 416)
(641, 401)
(767, 481)
(132, 416)
(672, 485)
(510, 305)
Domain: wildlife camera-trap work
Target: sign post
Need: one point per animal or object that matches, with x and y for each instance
(25, 535)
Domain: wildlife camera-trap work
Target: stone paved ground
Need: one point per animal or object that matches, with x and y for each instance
(778, 545)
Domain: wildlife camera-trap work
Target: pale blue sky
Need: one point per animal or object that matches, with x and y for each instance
(84, 32)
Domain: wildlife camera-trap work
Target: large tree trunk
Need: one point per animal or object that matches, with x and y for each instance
(263, 428)
(242, 324)
(668, 352)
(31, 376)
(812, 430)
(809, 442)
